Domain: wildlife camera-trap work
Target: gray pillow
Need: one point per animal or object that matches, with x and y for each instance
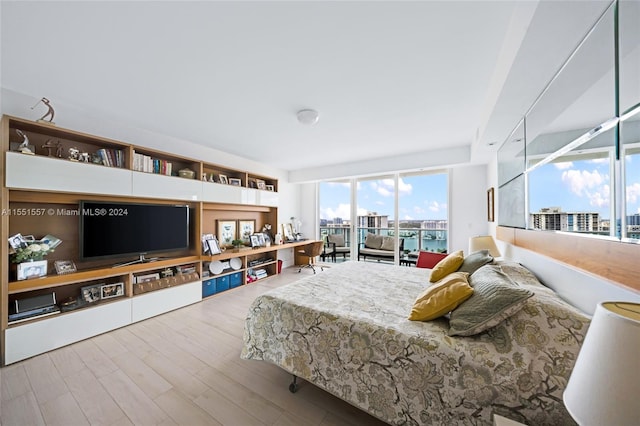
(495, 298)
(338, 239)
(373, 241)
(475, 260)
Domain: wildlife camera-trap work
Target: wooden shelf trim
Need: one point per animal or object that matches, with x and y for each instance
(610, 259)
(94, 274)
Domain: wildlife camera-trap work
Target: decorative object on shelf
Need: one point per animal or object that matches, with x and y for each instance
(223, 179)
(257, 240)
(27, 248)
(32, 269)
(270, 188)
(235, 182)
(226, 232)
(245, 229)
(187, 173)
(260, 184)
(147, 277)
(108, 291)
(216, 267)
(74, 154)
(91, 293)
(266, 230)
(64, 267)
(235, 263)
(49, 144)
(277, 239)
(214, 247)
(24, 146)
(48, 116)
(237, 243)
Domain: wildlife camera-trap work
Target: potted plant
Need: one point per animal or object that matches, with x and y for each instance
(237, 244)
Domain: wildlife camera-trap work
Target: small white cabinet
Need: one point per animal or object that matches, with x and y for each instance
(151, 185)
(157, 302)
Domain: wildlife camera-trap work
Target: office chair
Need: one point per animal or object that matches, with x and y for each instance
(312, 251)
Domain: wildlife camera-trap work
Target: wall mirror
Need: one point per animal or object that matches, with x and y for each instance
(575, 137)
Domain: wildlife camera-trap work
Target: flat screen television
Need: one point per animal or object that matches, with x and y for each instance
(115, 229)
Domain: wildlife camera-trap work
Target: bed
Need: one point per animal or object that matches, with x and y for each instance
(346, 331)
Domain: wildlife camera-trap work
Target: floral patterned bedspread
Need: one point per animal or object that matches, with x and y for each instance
(346, 331)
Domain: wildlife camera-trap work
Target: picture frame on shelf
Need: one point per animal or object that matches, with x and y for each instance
(65, 267)
(147, 277)
(213, 246)
(91, 293)
(17, 241)
(245, 229)
(260, 184)
(109, 291)
(252, 184)
(30, 270)
(257, 240)
(270, 188)
(235, 182)
(205, 246)
(227, 231)
(223, 179)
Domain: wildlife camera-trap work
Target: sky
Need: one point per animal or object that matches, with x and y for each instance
(582, 186)
(421, 197)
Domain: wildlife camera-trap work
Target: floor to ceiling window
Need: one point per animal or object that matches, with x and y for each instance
(415, 206)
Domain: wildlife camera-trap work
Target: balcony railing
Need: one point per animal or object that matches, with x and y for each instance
(414, 239)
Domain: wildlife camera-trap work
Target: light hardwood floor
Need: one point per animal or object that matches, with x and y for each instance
(180, 368)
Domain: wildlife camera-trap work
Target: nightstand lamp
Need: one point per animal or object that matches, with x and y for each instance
(484, 242)
(605, 382)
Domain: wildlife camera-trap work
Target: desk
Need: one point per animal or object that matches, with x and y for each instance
(299, 258)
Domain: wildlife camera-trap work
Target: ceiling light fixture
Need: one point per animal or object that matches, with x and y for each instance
(308, 116)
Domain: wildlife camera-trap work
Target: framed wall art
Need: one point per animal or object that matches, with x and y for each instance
(245, 229)
(226, 232)
(490, 206)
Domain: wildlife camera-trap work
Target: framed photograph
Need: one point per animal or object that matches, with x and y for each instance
(260, 184)
(235, 182)
(64, 267)
(257, 240)
(108, 291)
(490, 207)
(147, 278)
(91, 293)
(224, 179)
(269, 188)
(226, 232)
(17, 241)
(213, 246)
(252, 184)
(28, 270)
(205, 246)
(245, 229)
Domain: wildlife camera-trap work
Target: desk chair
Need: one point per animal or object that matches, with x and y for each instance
(311, 250)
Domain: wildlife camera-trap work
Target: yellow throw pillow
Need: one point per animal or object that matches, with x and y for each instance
(449, 264)
(442, 297)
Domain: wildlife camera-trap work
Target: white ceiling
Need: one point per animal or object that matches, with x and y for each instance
(387, 78)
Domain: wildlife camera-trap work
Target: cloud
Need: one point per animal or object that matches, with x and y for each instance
(343, 211)
(563, 166)
(633, 193)
(436, 207)
(385, 187)
(592, 185)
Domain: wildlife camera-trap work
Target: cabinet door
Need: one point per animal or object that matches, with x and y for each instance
(54, 174)
(219, 193)
(168, 187)
(160, 301)
(267, 198)
(34, 338)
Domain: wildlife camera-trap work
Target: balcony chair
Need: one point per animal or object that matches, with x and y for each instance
(311, 251)
(339, 246)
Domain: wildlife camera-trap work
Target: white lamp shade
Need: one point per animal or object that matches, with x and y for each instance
(605, 382)
(484, 242)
